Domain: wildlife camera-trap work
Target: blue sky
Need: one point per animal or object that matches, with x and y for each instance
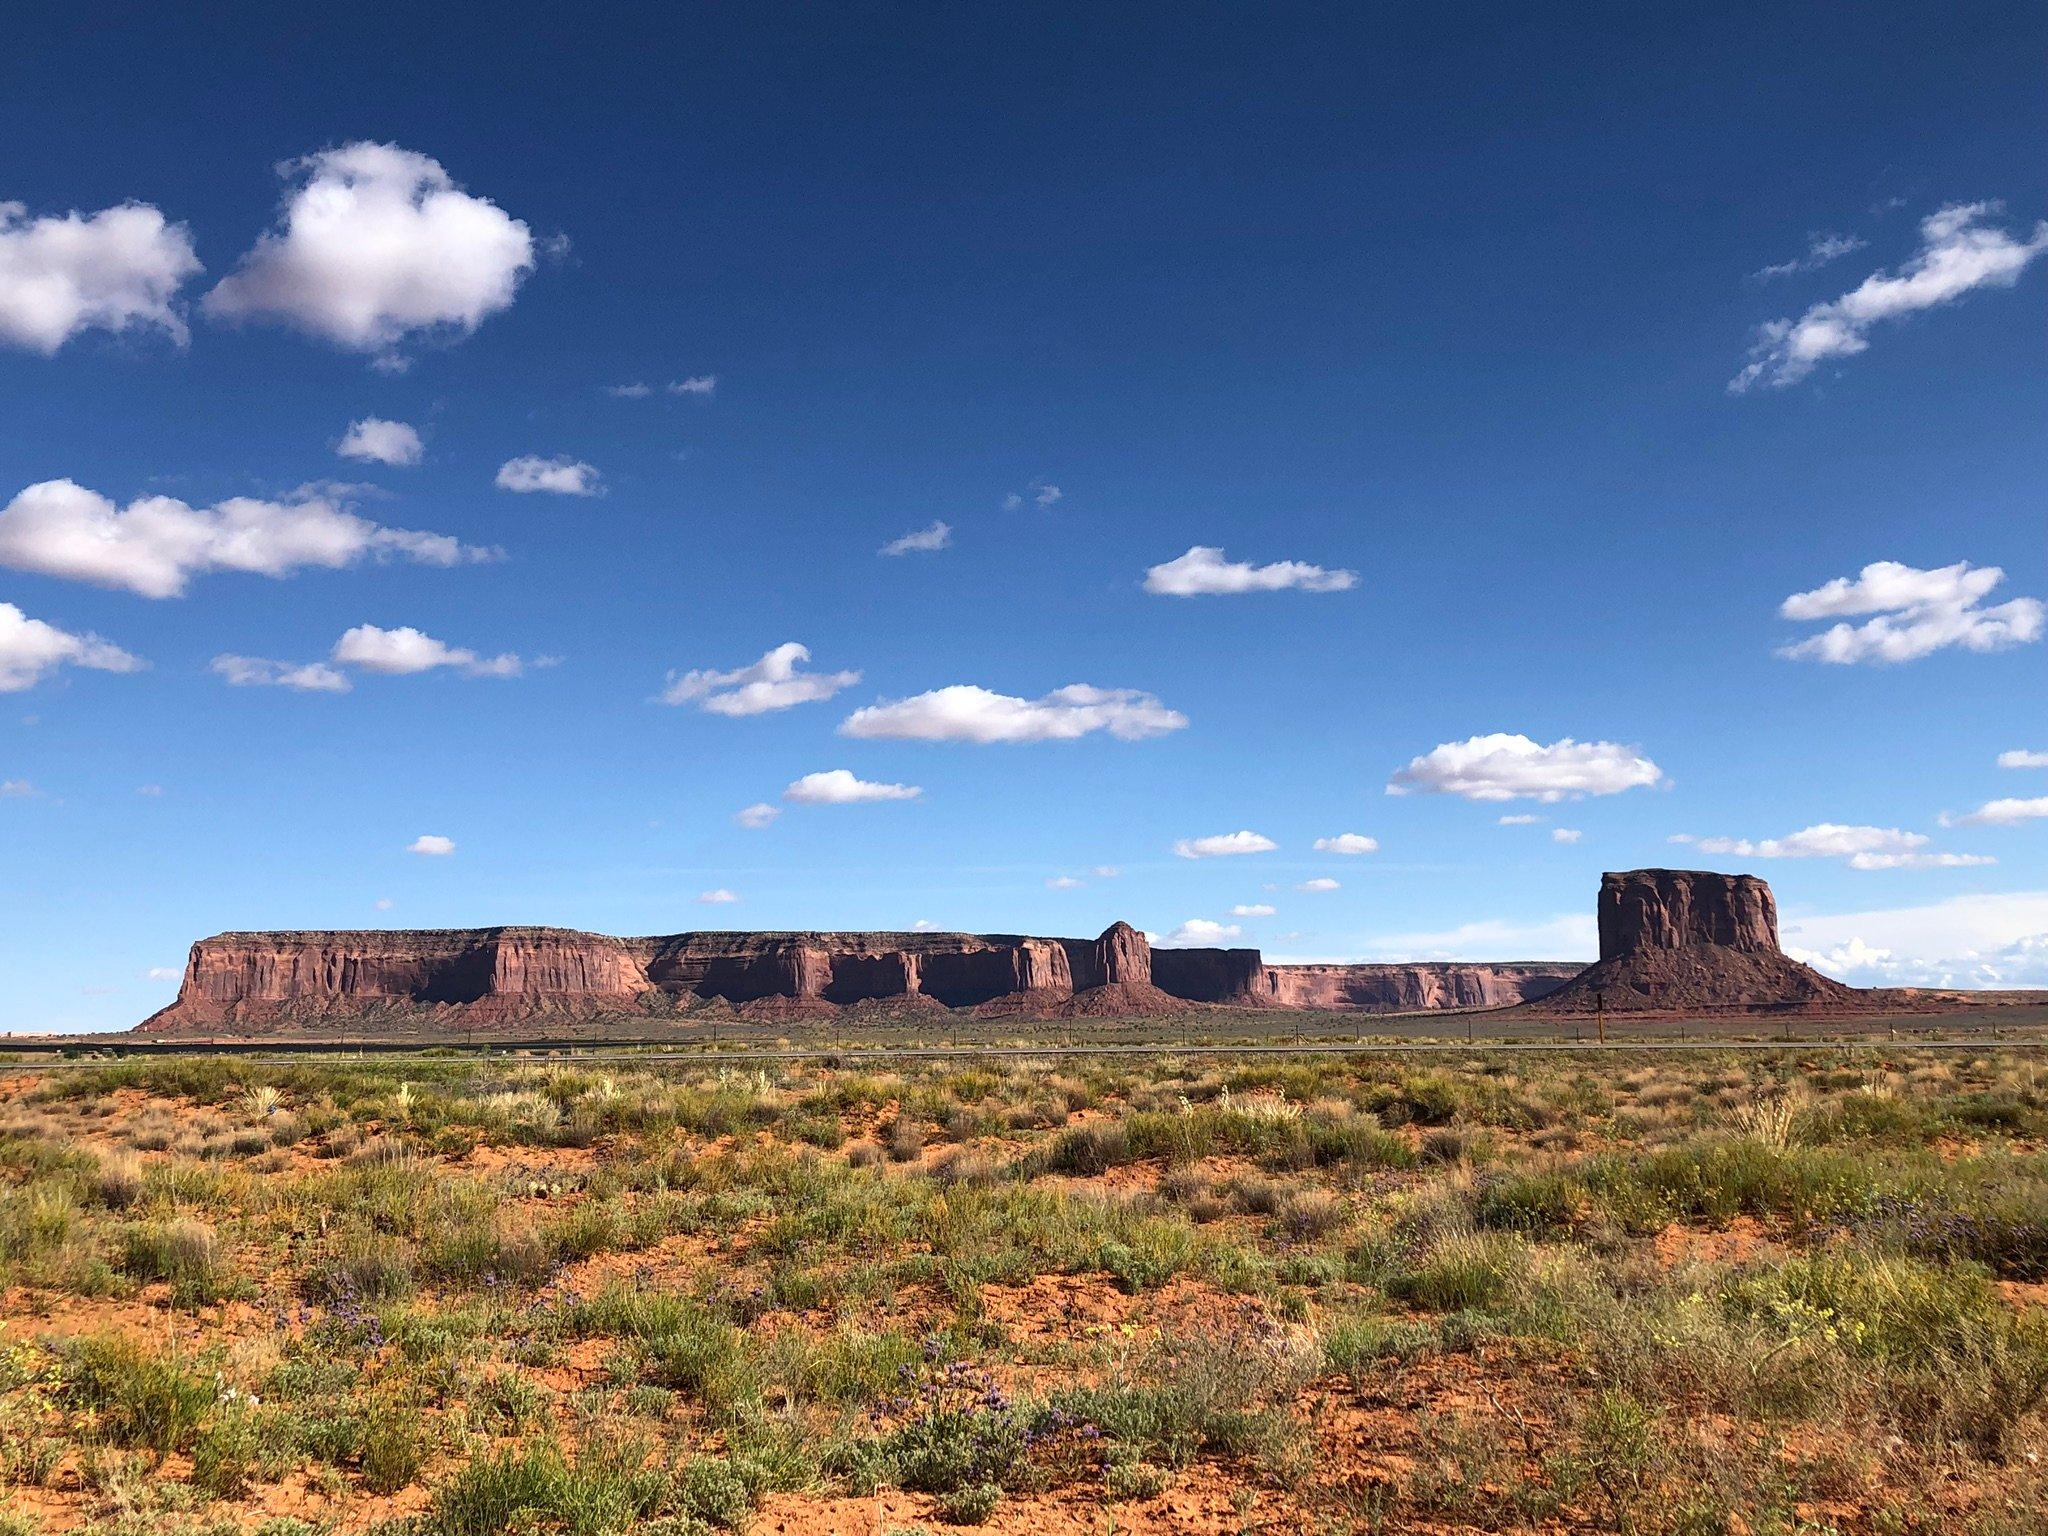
(1446, 304)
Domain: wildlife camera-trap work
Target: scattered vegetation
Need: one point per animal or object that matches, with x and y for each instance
(1709, 1293)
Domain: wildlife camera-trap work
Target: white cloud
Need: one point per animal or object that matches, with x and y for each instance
(630, 391)
(1203, 572)
(702, 384)
(2001, 813)
(1252, 909)
(1565, 834)
(756, 816)
(1867, 848)
(1820, 250)
(158, 544)
(31, 650)
(163, 973)
(432, 846)
(1989, 940)
(1918, 612)
(1509, 767)
(1320, 884)
(376, 244)
(838, 786)
(1199, 933)
(1223, 845)
(924, 925)
(561, 475)
(965, 712)
(776, 681)
(17, 789)
(1520, 821)
(1572, 936)
(1045, 495)
(1347, 843)
(1958, 254)
(1012, 502)
(112, 270)
(405, 650)
(2023, 759)
(1064, 883)
(256, 672)
(718, 898)
(382, 903)
(378, 441)
(1106, 871)
(938, 536)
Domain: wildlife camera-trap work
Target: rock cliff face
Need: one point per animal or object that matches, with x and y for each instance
(1676, 908)
(1689, 941)
(1670, 940)
(457, 977)
(1414, 988)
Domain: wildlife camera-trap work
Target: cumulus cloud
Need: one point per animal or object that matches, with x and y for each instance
(702, 384)
(938, 536)
(1917, 613)
(1064, 883)
(256, 672)
(31, 650)
(2001, 813)
(375, 245)
(377, 441)
(114, 270)
(718, 898)
(157, 544)
(1252, 909)
(2020, 759)
(630, 391)
(1959, 253)
(560, 475)
(1520, 821)
(1565, 834)
(776, 681)
(1347, 843)
(838, 786)
(756, 816)
(1859, 847)
(1198, 932)
(1820, 250)
(1506, 766)
(432, 845)
(965, 712)
(1986, 940)
(1203, 572)
(1223, 845)
(403, 651)
(1318, 885)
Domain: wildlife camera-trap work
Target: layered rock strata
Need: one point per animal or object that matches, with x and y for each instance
(1691, 941)
(490, 975)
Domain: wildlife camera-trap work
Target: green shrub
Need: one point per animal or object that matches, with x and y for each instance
(395, 1442)
(142, 1399)
(1471, 1271)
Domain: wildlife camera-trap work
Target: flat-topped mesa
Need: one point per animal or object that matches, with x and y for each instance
(1673, 908)
(381, 979)
(1415, 986)
(1692, 941)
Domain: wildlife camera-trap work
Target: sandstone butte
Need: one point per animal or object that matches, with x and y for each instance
(1670, 940)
